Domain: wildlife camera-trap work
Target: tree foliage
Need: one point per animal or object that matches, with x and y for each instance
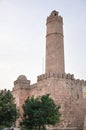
(39, 112)
(8, 111)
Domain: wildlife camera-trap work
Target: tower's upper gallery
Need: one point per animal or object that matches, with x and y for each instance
(54, 15)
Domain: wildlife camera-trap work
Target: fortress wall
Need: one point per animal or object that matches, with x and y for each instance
(67, 91)
(64, 89)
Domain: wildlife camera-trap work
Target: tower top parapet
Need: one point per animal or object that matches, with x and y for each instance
(53, 16)
(54, 13)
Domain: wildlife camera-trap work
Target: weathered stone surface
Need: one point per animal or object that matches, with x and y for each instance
(85, 123)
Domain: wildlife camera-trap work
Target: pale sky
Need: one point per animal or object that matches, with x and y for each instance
(23, 33)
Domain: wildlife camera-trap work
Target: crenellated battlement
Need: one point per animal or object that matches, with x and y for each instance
(33, 85)
(55, 75)
(60, 76)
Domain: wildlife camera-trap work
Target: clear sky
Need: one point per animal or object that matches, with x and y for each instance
(22, 38)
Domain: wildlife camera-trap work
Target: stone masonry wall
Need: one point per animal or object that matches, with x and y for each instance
(65, 90)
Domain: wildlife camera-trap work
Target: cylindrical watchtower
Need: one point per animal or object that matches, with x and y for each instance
(54, 44)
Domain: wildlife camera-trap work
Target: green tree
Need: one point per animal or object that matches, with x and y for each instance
(39, 112)
(8, 111)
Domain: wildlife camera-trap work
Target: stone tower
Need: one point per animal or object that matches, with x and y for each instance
(54, 44)
(63, 88)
